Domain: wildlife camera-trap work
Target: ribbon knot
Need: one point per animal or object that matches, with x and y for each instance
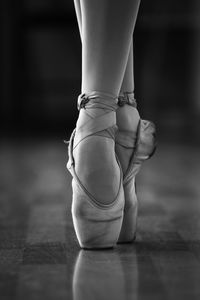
(83, 101)
(127, 98)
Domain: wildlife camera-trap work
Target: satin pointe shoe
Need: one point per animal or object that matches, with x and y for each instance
(143, 147)
(97, 225)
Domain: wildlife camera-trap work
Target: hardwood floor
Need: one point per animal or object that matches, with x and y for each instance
(39, 254)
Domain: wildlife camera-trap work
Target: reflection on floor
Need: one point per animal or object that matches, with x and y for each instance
(39, 254)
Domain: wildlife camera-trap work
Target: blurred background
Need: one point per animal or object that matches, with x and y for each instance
(40, 65)
(40, 57)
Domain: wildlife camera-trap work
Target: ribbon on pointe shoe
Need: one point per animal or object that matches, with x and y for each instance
(145, 147)
(127, 98)
(104, 125)
(106, 120)
(144, 141)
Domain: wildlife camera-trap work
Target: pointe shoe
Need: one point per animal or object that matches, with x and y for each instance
(143, 148)
(96, 225)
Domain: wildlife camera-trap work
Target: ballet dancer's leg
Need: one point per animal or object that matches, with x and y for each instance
(108, 67)
(107, 28)
(127, 117)
(104, 59)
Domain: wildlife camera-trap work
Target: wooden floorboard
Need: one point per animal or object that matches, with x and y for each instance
(39, 254)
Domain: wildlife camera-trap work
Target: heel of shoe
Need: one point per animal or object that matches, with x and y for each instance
(96, 226)
(129, 225)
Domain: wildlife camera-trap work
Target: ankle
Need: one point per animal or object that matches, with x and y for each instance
(94, 105)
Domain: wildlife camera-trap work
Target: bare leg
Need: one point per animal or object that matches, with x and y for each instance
(104, 57)
(128, 80)
(105, 53)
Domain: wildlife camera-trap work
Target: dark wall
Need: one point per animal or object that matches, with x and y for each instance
(41, 64)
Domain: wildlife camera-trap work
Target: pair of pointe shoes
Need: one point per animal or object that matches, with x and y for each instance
(99, 225)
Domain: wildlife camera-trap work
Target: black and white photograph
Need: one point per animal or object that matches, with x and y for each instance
(99, 150)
